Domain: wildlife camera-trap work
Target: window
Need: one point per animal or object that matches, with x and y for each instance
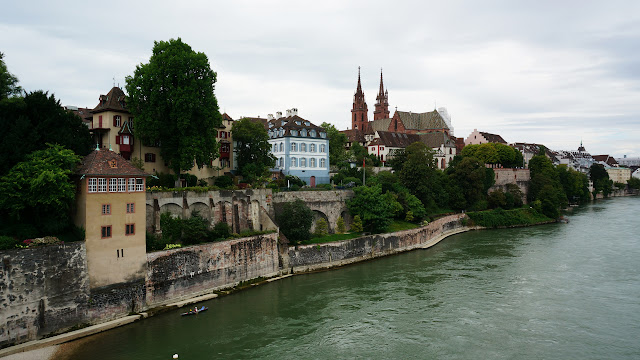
(294, 162)
(381, 148)
(303, 162)
(139, 184)
(130, 208)
(122, 185)
(132, 184)
(125, 140)
(323, 163)
(120, 252)
(129, 229)
(303, 132)
(102, 185)
(275, 148)
(106, 231)
(149, 157)
(281, 162)
(312, 148)
(116, 120)
(294, 132)
(131, 122)
(106, 209)
(312, 133)
(113, 185)
(312, 162)
(323, 135)
(323, 148)
(303, 147)
(294, 147)
(93, 185)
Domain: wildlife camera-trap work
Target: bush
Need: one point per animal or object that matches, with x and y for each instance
(194, 229)
(171, 228)
(191, 180)
(322, 228)
(8, 242)
(223, 182)
(351, 182)
(221, 231)
(356, 226)
(340, 228)
(294, 219)
(154, 242)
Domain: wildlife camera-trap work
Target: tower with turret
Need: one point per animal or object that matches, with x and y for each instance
(359, 119)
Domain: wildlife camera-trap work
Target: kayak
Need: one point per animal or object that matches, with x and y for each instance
(193, 312)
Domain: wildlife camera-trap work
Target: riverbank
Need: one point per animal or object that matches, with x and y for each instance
(302, 259)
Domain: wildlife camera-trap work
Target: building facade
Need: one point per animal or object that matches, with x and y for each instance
(111, 207)
(112, 124)
(479, 137)
(301, 148)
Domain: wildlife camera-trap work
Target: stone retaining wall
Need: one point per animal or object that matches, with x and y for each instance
(322, 256)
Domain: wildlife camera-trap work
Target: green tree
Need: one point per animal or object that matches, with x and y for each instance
(172, 100)
(40, 191)
(295, 219)
(322, 228)
(252, 148)
(420, 175)
(337, 141)
(634, 183)
(494, 153)
(469, 182)
(29, 123)
(545, 186)
(356, 225)
(375, 209)
(8, 82)
(574, 183)
(600, 178)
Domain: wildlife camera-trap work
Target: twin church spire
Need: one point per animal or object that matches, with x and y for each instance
(359, 118)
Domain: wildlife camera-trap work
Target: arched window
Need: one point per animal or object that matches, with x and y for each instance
(303, 147)
(323, 163)
(294, 147)
(281, 162)
(281, 146)
(303, 132)
(312, 162)
(294, 162)
(303, 162)
(274, 148)
(323, 148)
(312, 148)
(443, 164)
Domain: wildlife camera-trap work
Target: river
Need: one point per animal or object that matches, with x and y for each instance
(560, 291)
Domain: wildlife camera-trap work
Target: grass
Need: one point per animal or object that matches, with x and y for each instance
(332, 238)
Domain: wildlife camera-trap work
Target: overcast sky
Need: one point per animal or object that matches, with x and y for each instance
(550, 72)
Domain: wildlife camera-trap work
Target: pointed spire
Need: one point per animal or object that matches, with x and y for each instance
(381, 92)
(359, 88)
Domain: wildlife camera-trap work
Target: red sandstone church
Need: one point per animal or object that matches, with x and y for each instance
(364, 131)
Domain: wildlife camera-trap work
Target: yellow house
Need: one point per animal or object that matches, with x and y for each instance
(112, 126)
(619, 174)
(111, 208)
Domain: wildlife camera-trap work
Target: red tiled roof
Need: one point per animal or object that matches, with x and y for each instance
(106, 162)
(396, 140)
(494, 138)
(354, 135)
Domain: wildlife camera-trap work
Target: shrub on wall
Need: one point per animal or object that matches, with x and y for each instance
(322, 228)
(340, 228)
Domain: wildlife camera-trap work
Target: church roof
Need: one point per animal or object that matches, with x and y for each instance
(354, 135)
(115, 100)
(379, 125)
(105, 162)
(606, 159)
(422, 121)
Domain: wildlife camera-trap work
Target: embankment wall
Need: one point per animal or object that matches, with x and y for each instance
(322, 256)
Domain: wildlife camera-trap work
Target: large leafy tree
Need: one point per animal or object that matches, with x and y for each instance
(545, 186)
(375, 209)
(252, 148)
(172, 100)
(494, 153)
(8, 82)
(469, 182)
(32, 121)
(295, 219)
(337, 141)
(600, 178)
(420, 175)
(39, 190)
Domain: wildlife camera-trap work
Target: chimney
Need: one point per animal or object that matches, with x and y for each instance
(288, 112)
(278, 114)
(294, 111)
(269, 116)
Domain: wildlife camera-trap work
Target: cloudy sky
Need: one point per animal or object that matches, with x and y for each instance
(551, 72)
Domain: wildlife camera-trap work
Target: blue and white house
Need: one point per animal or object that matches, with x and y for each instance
(301, 148)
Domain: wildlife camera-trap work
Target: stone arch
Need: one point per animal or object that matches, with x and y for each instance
(174, 209)
(317, 215)
(202, 209)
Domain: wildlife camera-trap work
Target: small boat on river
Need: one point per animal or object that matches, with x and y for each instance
(195, 311)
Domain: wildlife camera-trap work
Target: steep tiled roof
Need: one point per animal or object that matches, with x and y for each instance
(114, 100)
(105, 162)
(226, 116)
(494, 138)
(379, 125)
(397, 140)
(422, 121)
(436, 139)
(354, 135)
(606, 159)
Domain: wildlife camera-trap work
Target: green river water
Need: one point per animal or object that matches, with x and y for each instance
(560, 291)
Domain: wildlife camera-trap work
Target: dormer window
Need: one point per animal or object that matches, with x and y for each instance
(303, 132)
(307, 123)
(294, 132)
(312, 133)
(323, 134)
(298, 123)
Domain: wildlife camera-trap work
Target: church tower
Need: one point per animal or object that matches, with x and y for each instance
(382, 103)
(359, 119)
